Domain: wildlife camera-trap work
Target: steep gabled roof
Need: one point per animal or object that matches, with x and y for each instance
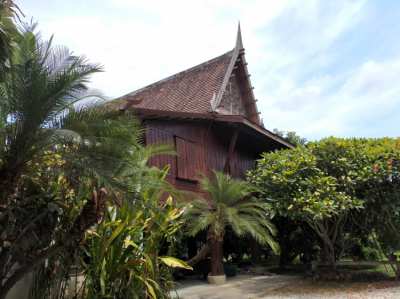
(199, 89)
(203, 92)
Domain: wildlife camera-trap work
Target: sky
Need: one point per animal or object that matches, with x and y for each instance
(318, 67)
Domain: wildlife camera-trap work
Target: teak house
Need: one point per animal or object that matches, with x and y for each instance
(209, 113)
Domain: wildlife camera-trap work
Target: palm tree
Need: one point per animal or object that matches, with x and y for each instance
(37, 118)
(8, 31)
(228, 202)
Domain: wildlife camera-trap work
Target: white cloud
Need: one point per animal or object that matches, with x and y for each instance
(360, 102)
(142, 41)
(291, 47)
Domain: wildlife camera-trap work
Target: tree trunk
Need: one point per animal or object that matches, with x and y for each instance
(394, 264)
(328, 230)
(204, 251)
(328, 258)
(255, 251)
(287, 253)
(217, 268)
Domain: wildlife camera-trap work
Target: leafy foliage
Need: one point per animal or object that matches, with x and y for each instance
(330, 185)
(8, 33)
(381, 190)
(58, 164)
(122, 255)
(43, 83)
(60, 167)
(293, 182)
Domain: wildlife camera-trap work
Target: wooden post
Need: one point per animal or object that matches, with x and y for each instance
(232, 144)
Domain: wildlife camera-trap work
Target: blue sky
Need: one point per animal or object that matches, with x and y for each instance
(320, 68)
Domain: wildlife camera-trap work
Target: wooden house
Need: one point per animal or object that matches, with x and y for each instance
(209, 113)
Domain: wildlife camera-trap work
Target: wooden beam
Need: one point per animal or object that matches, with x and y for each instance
(231, 149)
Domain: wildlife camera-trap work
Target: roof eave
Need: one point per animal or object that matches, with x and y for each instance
(237, 119)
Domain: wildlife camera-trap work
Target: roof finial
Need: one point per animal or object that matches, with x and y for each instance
(239, 43)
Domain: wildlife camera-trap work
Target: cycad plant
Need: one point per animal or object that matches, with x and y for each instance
(8, 31)
(58, 164)
(228, 202)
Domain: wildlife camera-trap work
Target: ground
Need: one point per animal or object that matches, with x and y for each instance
(284, 286)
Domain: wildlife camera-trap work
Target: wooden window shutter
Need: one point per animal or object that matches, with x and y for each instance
(188, 159)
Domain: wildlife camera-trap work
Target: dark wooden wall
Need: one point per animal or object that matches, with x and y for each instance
(201, 147)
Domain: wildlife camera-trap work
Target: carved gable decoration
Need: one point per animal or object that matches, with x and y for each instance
(232, 101)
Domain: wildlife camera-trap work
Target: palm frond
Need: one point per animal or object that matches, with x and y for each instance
(37, 90)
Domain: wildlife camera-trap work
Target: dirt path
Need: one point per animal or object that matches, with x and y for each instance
(280, 286)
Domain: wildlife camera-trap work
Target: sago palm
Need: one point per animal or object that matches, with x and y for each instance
(38, 120)
(228, 202)
(8, 31)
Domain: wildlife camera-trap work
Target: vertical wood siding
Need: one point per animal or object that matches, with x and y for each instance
(201, 147)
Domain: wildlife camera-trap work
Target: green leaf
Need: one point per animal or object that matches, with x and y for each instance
(103, 277)
(114, 235)
(175, 263)
(149, 287)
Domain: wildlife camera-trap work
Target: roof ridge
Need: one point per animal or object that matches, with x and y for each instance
(207, 62)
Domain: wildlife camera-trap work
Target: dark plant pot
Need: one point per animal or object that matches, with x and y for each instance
(230, 270)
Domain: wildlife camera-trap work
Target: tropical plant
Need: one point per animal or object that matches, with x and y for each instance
(228, 202)
(128, 255)
(303, 192)
(135, 226)
(380, 190)
(122, 257)
(8, 33)
(58, 164)
(330, 184)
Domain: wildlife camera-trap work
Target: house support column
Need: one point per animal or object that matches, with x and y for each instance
(232, 145)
